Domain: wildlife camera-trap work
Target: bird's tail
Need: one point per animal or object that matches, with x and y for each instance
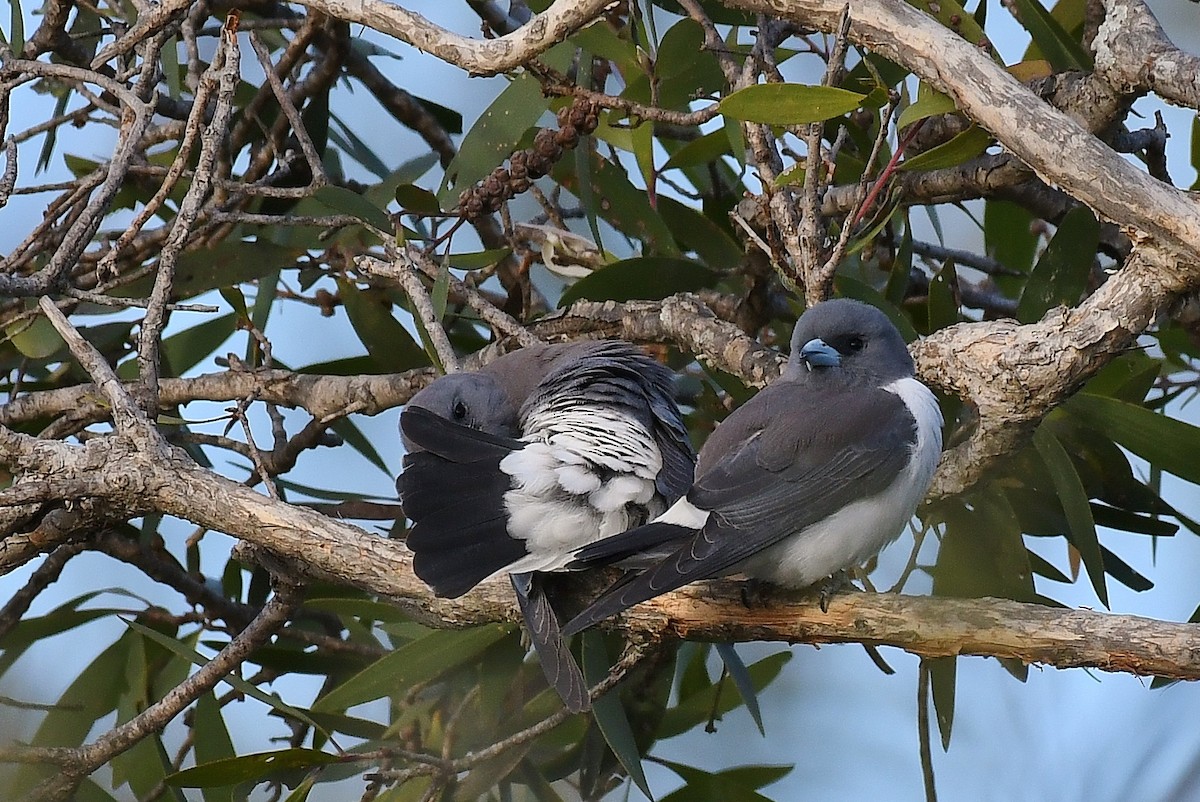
(558, 664)
(453, 491)
(645, 544)
(636, 548)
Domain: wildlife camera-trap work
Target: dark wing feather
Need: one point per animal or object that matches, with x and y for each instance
(785, 471)
(558, 664)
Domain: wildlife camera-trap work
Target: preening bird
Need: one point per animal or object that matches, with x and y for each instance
(512, 468)
(814, 474)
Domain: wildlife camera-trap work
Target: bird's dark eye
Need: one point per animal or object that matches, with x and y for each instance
(856, 344)
(460, 410)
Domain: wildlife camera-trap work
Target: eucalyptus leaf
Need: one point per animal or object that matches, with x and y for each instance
(789, 104)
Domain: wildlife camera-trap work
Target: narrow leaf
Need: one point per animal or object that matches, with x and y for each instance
(349, 202)
(645, 277)
(942, 673)
(418, 661)
(249, 767)
(237, 682)
(610, 713)
(417, 200)
(1060, 275)
(789, 104)
(742, 681)
(967, 145)
(1164, 442)
(1076, 506)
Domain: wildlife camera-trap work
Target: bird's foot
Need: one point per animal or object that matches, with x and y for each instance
(755, 593)
(831, 586)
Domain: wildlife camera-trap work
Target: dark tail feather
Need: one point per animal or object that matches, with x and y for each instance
(453, 491)
(694, 558)
(635, 548)
(457, 548)
(558, 664)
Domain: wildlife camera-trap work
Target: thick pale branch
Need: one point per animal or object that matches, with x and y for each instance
(931, 627)
(1032, 129)
(476, 56)
(1134, 54)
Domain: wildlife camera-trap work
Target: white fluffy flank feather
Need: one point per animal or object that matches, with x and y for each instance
(587, 472)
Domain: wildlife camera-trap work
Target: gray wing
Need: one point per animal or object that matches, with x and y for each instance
(776, 469)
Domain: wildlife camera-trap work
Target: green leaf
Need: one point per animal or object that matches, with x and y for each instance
(477, 260)
(1063, 51)
(696, 231)
(684, 68)
(251, 690)
(1061, 274)
(614, 198)
(389, 343)
(1124, 573)
(1081, 528)
(982, 552)
(80, 706)
(942, 673)
(610, 714)
(16, 23)
(494, 136)
(417, 200)
(742, 681)
(740, 783)
(955, 17)
(364, 609)
(302, 790)
(1128, 521)
(1008, 234)
(350, 202)
(170, 67)
(415, 662)
(942, 304)
(789, 104)
(247, 768)
(448, 118)
(1164, 442)
(930, 102)
(34, 338)
(967, 145)
(184, 350)
(488, 774)
(353, 437)
(234, 261)
(702, 150)
(646, 277)
(212, 742)
(718, 698)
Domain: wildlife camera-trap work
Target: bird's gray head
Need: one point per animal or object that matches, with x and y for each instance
(472, 399)
(850, 335)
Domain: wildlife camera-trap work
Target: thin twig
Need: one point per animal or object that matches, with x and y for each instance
(127, 415)
(224, 72)
(487, 312)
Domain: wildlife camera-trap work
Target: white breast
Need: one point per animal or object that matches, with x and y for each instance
(859, 530)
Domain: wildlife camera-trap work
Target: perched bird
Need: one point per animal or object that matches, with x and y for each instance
(814, 474)
(512, 468)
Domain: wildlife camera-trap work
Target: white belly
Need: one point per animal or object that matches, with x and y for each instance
(859, 530)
